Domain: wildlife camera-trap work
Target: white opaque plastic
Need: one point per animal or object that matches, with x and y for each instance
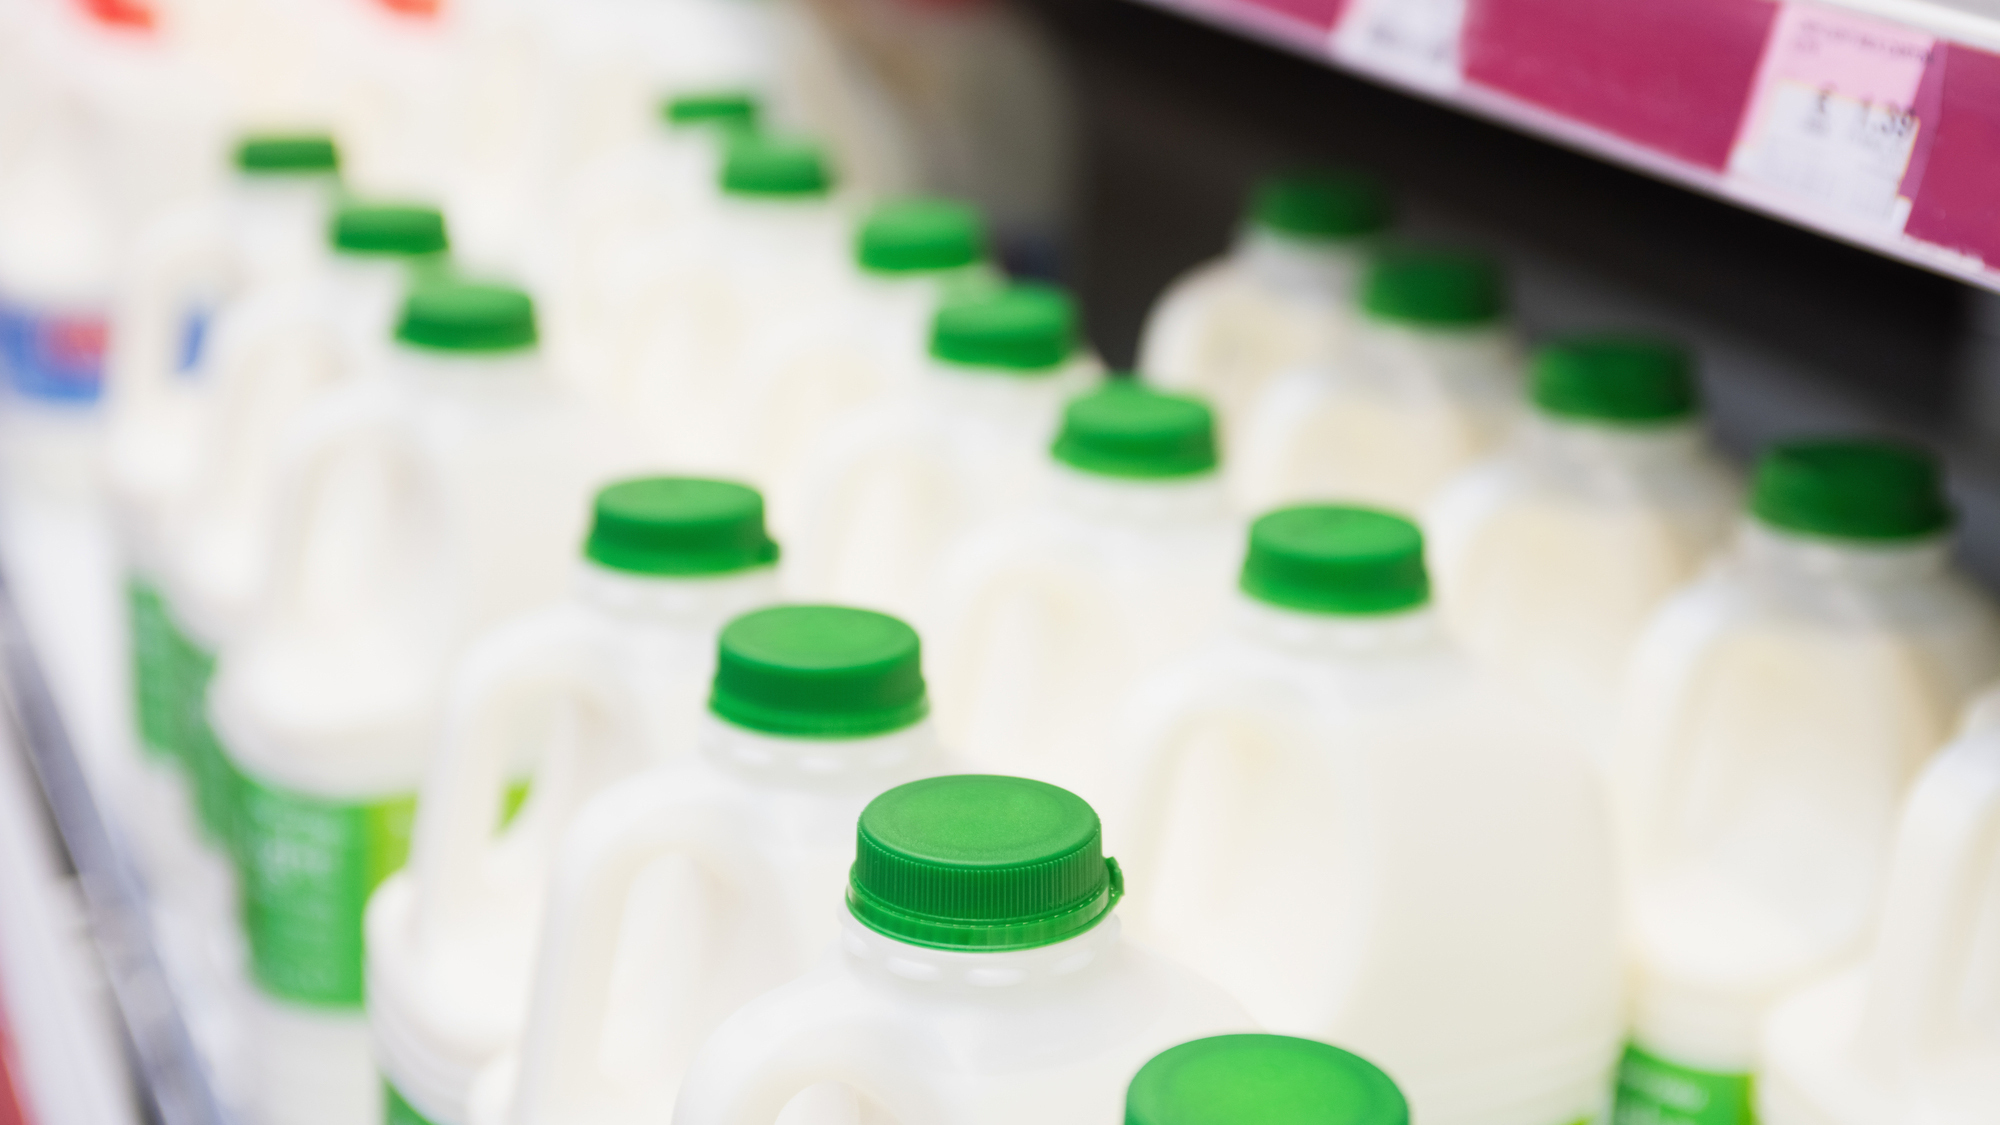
(1368, 841)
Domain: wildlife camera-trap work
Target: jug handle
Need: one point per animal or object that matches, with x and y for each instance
(769, 1053)
(147, 324)
(821, 496)
(247, 338)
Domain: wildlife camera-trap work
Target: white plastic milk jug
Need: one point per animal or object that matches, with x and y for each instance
(1042, 620)
(688, 891)
(885, 491)
(1776, 711)
(606, 683)
(1281, 298)
(1909, 1035)
(980, 976)
(1334, 814)
(1426, 383)
(1550, 557)
(1269, 1079)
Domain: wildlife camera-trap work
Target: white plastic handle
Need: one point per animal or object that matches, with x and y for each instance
(271, 354)
(151, 312)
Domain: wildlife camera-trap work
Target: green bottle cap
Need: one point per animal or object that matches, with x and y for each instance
(981, 863)
(819, 671)
(775, 167)
(1022, 328)
(1615, 378)
(388, 229)
(1444, 288)
(1262, 1080)
(1127, 430)
(726, 109)
(1850, 489)
(290, 154)
(466, 316)
(920, 236)
(679, 526)
(1321, 205)
(1323, 558)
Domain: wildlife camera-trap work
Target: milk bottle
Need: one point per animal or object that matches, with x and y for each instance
(1336, 817)
(1550, 557)
(624, 664)
(979, 977)
(1425, 384)
(1908, 1035)
(886, 490)
(1043, 619)
(685, 892)
(1777, 708)
(1270, 1079)
(1279, 299)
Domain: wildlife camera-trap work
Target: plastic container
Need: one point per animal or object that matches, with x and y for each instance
(686, 892)
(1777, 709)
(1270, 1079)
(1334, 814)
(979, 977)
(614, 679)
(881, 496)
(1550, 557)
(1281, 298)
(1908, 1035)
(1428, 382)
(1041, 621)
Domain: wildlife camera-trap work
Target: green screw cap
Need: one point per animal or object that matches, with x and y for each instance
(1850, 489)
(1127, 430)
(819, 671)
(920, 235)
(981, 863)
(1439, 288)
(465, 316)
(1321, 205)
(388, 229)
(1611, 378)
(291, 154)
(1265, 1079)
(726, 109)
(1023, 328)
(679, 526)
(775, 167)
(1322, 558)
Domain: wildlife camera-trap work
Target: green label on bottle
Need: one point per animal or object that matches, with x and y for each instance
(216, 783)
(308, 866)
(1654, 1091)
(397, 1110)
(156, 689)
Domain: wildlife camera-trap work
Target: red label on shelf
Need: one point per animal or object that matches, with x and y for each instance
(13, 1099)
(1670, 76)
(1956, 205)
(1320, 15)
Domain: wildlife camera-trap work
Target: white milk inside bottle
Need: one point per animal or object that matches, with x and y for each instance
(1337, 816)
(1910, 1033)
(686, 892)
(1550, 557)
(589, 691)
(1042, 620)
(1281, 298)
(1269, 1079)
(880, 497)
(1776, 711)
(979, 977)
(1427, 382)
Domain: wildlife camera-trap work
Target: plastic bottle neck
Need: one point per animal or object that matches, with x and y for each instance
(697, 603)
(1790, 559)
(886, 962)
(469, 374)
(1307, 266)
(1341, 636)
(1165, 503)
(818, 765)
(777, 226)
(1608, 459)
(1005, 396)
(281, 219)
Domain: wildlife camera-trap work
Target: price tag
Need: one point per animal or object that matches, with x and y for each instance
(1837, 113)
(1415, 40)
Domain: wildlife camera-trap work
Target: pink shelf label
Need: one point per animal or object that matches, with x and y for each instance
(1415, 40)
(1319, 15)
(1956, 205)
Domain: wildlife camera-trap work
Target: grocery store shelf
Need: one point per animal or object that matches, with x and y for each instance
(1667, 89)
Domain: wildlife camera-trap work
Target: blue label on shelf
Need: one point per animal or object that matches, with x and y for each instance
(54, 356)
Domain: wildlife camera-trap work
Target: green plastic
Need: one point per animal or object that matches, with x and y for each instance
(291, 154)
(1434, 287)
(724, 109)
(766, 167)
(1851, 489)
(981, 863)
(920, 236)
(1127, 430)
(1323, 558)
(466, 316)
(1623, 379)
(819, 671)
(679, 526)
(389, 230)
(1321, 205)
(1026, 329)
(1262, 1080)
